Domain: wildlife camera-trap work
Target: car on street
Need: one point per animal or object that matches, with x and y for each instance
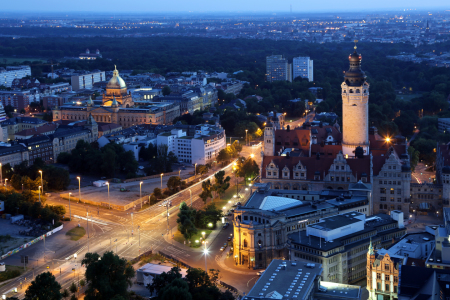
(222, 248)
(229, 238)
(225, 226)
(260, 273)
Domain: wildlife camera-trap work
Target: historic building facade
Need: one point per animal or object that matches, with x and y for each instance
(118, 107)
(321, 157)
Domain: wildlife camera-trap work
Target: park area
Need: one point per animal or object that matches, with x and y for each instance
(76, 233)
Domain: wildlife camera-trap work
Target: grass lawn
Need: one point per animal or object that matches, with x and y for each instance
(11, 272)
(180, 238)
(76, 233)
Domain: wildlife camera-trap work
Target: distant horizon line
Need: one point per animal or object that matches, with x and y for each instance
(443, 9)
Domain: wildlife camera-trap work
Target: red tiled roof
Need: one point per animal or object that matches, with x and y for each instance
(49, 127)
(322, 133)
(296, 138)
(325, 150)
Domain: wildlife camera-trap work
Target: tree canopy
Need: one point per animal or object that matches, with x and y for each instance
(108, 277)
(44, 286)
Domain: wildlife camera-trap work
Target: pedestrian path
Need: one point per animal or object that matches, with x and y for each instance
(211, 237)
(220, 259)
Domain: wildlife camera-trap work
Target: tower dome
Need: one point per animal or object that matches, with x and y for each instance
(355, 76)
(116, 82)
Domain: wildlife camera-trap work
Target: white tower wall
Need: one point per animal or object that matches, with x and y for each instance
(355, 118)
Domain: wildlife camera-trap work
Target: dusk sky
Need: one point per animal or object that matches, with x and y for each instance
(218, 6)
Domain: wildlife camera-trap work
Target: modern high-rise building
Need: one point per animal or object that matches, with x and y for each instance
(303, 67)
(86, 81)
(10, 73)
(278, 68)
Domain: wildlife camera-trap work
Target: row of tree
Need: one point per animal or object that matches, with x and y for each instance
(197, 284)
(106, 278)
(110, 160)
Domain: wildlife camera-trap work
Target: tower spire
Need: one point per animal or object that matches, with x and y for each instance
(371, 252)
(355, 44)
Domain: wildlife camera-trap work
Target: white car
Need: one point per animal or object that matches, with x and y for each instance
(260, 273)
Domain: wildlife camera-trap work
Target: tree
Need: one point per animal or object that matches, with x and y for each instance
(247, 168)
(237, 146)
(221, 183)
(176, 289)
(164, 279)
(166, 90)
(185, 220)
(202, 169)
(44, 286)
(82, 283)
(65, 294)
(107, 277)
(223, 156)
(174, 183)
(157, 192)
(206, 190)
(414, 157)
(73, 288)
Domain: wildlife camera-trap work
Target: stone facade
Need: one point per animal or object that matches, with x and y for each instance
(391, 186)
(382, 276)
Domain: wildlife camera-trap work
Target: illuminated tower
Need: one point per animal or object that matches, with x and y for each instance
(355, 108)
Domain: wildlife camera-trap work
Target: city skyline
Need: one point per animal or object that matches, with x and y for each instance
(201, 6)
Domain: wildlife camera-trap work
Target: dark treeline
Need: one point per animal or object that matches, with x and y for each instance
(429, 86)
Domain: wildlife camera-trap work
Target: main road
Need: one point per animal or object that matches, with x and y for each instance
(128, 234)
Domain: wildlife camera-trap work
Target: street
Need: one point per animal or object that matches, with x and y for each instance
(127, 233)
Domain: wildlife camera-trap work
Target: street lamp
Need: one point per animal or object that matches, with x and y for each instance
(190, 193)
(140, 192)
(161, 180)
(203, 234)
(205, 252)
(42, 183)
(70, 211)
(39, 194)
(179, 173)
(235, 259)
(246, 130)
(6, 182)
(109, 201)
(79, 189)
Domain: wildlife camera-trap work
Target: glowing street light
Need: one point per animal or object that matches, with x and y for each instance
(205, 252)
(42, 183)
(140, 192)
(388, 139)
(79, 188)
(161, 180)
(70, 211)
(109, 201)
(39, 194)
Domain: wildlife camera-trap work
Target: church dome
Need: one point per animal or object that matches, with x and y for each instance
(116, 82)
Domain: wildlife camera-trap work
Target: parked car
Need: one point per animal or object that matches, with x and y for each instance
(225, 226)
(260, 273)
(222, 248)
(229, 238)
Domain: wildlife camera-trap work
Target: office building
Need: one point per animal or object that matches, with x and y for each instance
(86, 81)
(302, 67)
(262, 225)
(12, 72)
(39, 146)
(19, 99)
(201, 148)
(278, 68)
(13, 154)
(340, 242)
(292, 280)
(18, 124)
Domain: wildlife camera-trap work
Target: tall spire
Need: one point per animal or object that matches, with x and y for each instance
(371, 252)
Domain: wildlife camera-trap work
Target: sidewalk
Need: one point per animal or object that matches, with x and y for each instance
(229, 265)
(209, 240)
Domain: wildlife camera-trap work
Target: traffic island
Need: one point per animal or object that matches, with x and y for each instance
(195, 240)
(76, 233)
